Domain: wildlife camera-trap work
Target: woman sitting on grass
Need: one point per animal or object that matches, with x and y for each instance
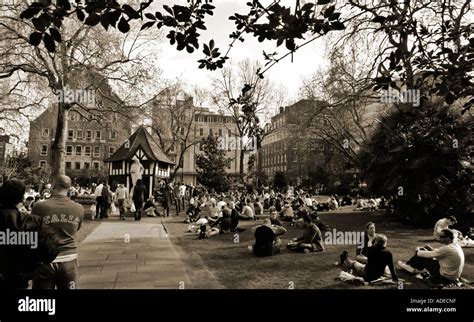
(369, 237)
(378, 258)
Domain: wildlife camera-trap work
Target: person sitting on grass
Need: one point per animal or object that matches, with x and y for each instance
(267, 242)
(311, 241)
(223, 224)
(369, 237)
(234, 216)
(274, 217)
(257, 206)
(444, 264)
(443, 224)
(287, 213)
(193, 212)
(247, 213)
(378, 258)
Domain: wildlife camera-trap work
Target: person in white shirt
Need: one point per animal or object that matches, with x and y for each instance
(247, 213)
(445, 264)
(121, 194)
(442, 224)
(182, 193)
(99, 199)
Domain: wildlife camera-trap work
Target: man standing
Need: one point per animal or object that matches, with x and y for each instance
(122, 194)
(65, 218)
(99, 199)
(182, 193)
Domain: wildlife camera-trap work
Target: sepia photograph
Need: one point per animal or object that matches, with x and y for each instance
(309, 152)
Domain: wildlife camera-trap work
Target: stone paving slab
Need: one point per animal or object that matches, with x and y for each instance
(130, 255)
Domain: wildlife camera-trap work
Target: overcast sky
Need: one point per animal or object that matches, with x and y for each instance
(182, 64)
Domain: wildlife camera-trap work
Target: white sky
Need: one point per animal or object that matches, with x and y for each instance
(184, 65)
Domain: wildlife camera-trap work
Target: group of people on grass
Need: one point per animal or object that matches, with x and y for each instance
(443, 265)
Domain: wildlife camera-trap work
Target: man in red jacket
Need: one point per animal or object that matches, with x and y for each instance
(65, 217)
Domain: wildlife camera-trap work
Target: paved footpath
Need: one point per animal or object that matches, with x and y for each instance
(130, 255)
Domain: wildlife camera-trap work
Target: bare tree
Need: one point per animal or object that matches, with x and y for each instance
(247, 107)
(86, 59)
(173, 120)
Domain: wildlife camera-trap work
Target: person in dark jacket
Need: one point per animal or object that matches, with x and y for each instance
(19, 262)
(106, 202)
(138, 199)
(378, 258)
(266, 241)
(369, 237)
(311, 241)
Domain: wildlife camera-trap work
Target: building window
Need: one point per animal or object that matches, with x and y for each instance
(87, 151)
(70, 134)
(87, 165)
(113, 135)
(211, 132)
(182, 131)
(88, 135)
(45, 132)
(96, 165)
(79, 134)
(68, 165)
(229, 132)
(44, 150)
(220, 132)
(111, 150)
(78, 150)
(98, 135)
(97, 151)
(42, 163)
(77, 165)
(201, 131)
(69, 150)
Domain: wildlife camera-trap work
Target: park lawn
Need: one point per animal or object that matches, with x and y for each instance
(235, 267)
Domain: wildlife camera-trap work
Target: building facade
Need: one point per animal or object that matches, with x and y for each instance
(205, 122)
(6, 149)
(88, 143)
(287, 148)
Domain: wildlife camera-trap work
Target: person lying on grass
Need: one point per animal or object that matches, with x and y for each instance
(378, 258)
(444, 264)
(311, 241)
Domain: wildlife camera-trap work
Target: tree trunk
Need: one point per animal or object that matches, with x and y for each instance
(58, 164)
(241, 164)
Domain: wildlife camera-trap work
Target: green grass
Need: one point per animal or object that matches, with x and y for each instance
(236, 268)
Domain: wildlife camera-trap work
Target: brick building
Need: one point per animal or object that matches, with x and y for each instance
(286, 147)
(88, 143)
(205, 122)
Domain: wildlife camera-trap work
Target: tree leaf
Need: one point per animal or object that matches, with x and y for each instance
(35, 38)
(55, 34)
(49, 43)
(29, 13)
(322, 2)
(337, 25)
(150, 16)
(80, 15)
(92, 20)
(123, 25)
(147, 25)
